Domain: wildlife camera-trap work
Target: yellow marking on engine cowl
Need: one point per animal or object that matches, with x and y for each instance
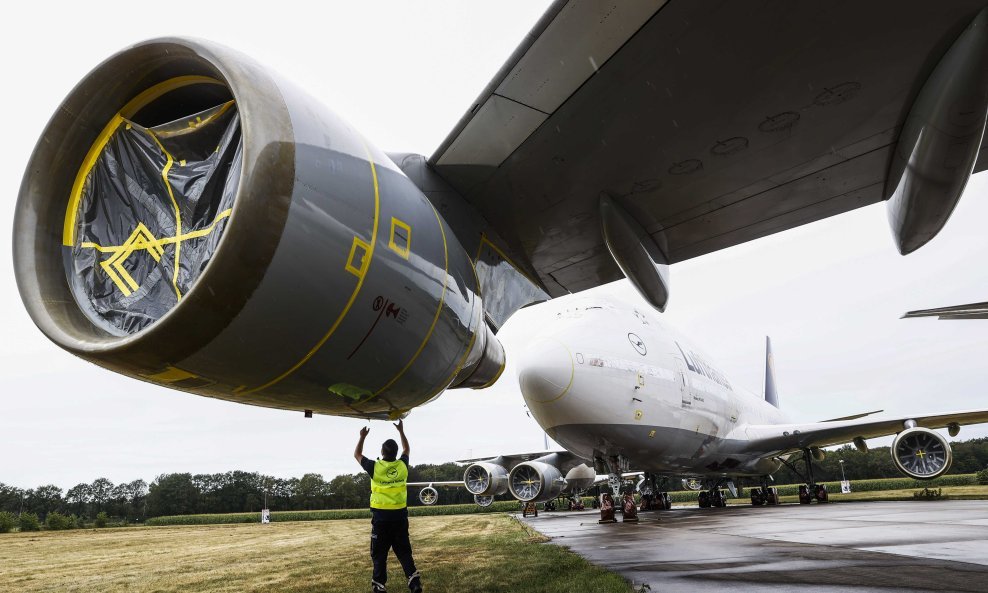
(498, 376)
(402, 250)
(171, 375)
(470, 345)
(365, 266)
(435, 318)
(639, 414)
(361, 269)
(651, 434)
(921, 454)
(132, 107)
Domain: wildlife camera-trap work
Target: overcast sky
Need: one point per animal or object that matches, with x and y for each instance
(830, 294)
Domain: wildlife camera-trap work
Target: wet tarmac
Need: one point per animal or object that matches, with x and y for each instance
(866, 546)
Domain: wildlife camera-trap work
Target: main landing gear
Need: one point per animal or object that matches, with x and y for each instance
(652, 499)
(712, 498)
(809, 491)
(764, 495)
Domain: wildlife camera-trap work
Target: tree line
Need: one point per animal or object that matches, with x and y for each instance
(240, 491)
(229, 492)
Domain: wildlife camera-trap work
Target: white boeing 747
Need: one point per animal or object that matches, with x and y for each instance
(622, 391)
(616, 386)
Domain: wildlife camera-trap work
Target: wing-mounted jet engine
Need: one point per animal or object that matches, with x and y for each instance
(921, 453)
(486, 479)
(543, 479)
(191, 220)
(429, 495)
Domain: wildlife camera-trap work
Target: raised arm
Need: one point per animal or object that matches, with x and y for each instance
(358, 453)
(404, 440)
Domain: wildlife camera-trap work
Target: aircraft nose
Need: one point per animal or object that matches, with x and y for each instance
(545, 371)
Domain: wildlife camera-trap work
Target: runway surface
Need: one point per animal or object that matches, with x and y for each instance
(864, 546)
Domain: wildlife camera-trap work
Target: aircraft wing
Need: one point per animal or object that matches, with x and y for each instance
(423, 484)
(972, 311)
(710, 123)
(562, 459)
(783, 438)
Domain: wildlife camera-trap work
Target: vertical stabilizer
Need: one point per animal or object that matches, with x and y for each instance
(771, 389)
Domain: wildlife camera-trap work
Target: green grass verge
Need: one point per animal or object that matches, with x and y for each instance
(502, 506)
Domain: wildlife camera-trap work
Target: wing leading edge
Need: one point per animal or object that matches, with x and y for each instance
(972, 311)
(783, 438)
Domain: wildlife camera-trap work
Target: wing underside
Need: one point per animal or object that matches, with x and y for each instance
(713, 123)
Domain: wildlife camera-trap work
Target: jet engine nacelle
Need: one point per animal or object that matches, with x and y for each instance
(294, 266)
(428, 496)
(535, 481)
(580, 478)
(921, 453)
(486, 479)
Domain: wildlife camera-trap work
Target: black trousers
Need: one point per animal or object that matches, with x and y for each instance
(387, 535)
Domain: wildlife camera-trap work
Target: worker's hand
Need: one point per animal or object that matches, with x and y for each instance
(364, 431)
(400, 425)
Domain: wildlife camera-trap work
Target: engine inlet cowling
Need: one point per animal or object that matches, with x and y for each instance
(535, 481)
(190, 219)
(921, 453)
(486, 479)
(428, 496)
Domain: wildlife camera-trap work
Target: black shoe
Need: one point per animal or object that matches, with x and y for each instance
(415, 583)
(377, 588)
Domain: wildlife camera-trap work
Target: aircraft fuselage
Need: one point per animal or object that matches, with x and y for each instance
(607, 379)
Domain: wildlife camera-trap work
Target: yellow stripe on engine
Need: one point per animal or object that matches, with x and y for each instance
(365, 267)
(435, 319)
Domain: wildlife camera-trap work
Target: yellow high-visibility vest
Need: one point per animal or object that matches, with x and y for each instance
(388, 489)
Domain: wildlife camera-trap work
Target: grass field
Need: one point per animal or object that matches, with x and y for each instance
(476, 553)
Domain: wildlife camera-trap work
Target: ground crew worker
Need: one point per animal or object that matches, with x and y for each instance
(388, 503)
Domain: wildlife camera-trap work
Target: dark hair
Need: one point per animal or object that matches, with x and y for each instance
(389, 450)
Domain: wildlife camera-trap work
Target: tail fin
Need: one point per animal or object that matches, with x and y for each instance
(771, 391)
